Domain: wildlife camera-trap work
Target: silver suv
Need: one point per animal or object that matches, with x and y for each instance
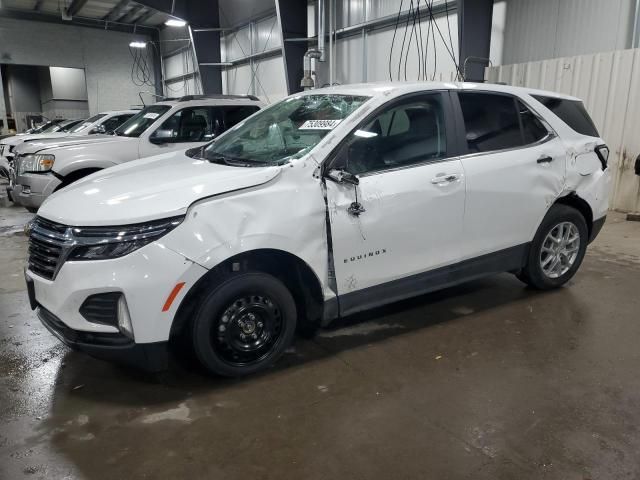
(164, 127)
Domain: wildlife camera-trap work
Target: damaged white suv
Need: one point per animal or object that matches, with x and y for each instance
(327, 203)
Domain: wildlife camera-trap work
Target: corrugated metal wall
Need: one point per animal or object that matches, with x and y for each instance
(264, 77)
(542, 29)
(609, 84)
(367, 57)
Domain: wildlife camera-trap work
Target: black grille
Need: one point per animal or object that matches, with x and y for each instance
(101, 308)
(46, 247)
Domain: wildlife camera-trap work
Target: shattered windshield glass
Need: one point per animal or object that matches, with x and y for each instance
(286, 131)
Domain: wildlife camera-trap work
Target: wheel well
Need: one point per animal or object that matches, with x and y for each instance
(573, 200)
(75, 176)
(296, 274)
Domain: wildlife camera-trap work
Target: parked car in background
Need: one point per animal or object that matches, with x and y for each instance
(61, 129)
(103, 123)
(160, 128)
(325, 204)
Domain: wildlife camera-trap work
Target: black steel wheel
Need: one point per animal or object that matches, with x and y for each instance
(244, 325)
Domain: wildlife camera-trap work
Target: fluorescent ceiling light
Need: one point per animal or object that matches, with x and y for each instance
(174, 22)
(138, 44)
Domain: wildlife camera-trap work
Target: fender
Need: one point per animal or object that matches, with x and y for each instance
(70, 165)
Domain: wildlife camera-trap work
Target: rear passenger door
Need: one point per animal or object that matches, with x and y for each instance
(514, 169)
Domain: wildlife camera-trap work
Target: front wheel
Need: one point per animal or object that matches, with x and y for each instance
(244, 325)
(557, 250)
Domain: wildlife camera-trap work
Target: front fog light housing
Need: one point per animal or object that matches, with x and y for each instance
(124, 319)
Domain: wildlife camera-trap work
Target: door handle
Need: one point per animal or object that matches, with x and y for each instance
(545, 159)
(445, 178)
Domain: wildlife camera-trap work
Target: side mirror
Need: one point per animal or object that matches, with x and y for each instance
(342, 176)
(99, 129)
(161, 136)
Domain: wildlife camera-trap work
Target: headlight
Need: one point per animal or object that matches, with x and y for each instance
(35, 163)
(101, 243)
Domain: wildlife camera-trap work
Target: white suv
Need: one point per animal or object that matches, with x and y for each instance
(164, 127)
(327, 203)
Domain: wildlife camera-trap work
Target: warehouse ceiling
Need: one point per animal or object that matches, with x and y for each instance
(106, 12)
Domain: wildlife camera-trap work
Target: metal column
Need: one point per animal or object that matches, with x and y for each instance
(204, 28)
(292, 19)
(474, 37)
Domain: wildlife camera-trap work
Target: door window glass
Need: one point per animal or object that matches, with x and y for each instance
(532, 128)
(234, 115)
(405, 134)
(491, 121)
(187, 125)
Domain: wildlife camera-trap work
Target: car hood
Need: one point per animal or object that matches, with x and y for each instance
(148, 189)
(36, 145)
(16, 139)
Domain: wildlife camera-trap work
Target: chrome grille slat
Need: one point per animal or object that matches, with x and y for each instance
(46, 247)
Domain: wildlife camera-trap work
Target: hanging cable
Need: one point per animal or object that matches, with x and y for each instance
(421, 66)
(393, 41)
(429, 6)
(413, 28)
(446, 10)
(404, 39)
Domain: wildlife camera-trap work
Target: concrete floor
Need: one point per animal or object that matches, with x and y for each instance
(485, 381)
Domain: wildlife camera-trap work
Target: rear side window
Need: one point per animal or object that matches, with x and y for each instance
(492, 121)
(532, 128)
(571, 112)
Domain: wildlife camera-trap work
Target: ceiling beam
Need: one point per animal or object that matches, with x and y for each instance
(145, 16)
(116, 11)
(80, 22)
(130, 15)
(75, 7)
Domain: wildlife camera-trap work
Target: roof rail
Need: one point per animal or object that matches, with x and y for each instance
(186, 98)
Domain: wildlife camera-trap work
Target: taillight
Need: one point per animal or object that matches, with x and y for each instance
(603, 154)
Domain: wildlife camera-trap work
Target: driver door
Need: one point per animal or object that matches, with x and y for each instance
(403, 220)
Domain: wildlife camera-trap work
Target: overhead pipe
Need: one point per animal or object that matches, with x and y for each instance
(321, 28)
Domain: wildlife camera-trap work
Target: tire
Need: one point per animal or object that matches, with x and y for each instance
(244, 324)
(563, 223)
(31, 209)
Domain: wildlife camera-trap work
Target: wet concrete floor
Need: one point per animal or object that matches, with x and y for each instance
(489, 380)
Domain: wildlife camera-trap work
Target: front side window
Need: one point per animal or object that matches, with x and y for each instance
(491, 121)
(136, 125)
(287, 130)
(406, 134)
(187, 125)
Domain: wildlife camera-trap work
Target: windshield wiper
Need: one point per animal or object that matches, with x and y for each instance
(238, 162)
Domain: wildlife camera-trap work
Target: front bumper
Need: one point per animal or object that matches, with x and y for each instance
(114, 347)
(32, 189)
(145, 278)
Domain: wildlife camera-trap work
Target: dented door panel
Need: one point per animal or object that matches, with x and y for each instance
(409, 224)
(508, 194)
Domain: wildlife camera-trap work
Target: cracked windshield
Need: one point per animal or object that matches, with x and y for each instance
(286, 131)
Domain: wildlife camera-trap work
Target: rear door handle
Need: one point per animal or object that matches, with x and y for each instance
(445, 178)
(545, 159)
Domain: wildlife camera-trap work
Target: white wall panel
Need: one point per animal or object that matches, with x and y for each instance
(609, 84)
(269, 84)
(542, 29)
(266, 34)
(236, 44)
